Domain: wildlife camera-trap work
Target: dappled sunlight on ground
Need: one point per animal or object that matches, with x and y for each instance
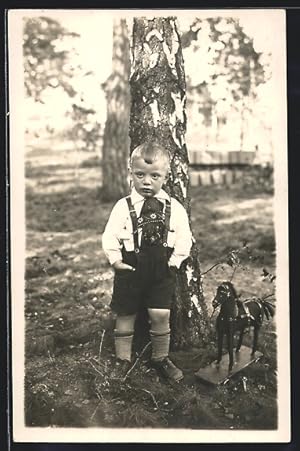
(246, 210)
(45, 242)
(54, 167)
(58, 180)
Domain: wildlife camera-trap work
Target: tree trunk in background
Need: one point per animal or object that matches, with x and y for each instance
(158, 111)
(242, 130)
(116, 140)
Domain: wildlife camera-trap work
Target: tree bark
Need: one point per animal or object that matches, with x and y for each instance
(116, 140)
(158, 98)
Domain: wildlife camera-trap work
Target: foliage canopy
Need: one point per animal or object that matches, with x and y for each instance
(46, 61)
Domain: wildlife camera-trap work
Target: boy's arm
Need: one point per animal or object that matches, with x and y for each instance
(110, 239)
(183, 235)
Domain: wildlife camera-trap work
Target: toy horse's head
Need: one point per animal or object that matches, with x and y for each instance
(225, 292)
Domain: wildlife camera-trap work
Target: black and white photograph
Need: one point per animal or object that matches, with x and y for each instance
(149, 225)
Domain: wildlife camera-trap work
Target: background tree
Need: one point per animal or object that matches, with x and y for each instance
(158, 92)
(238, 63)
(115, 150)
(45, 63)
(51, 63)
(233, 68)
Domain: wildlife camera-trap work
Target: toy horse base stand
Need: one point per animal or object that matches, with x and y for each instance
(217, 373)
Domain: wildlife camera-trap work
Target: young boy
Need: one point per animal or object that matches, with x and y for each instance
(146, 238)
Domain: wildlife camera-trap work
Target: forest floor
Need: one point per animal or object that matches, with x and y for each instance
(68, 341)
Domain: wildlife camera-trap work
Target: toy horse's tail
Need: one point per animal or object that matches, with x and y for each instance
(269, 309)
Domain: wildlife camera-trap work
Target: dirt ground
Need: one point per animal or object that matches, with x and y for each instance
(69, 349)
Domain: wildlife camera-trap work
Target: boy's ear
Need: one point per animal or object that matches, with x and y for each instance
(168, 173)
(129, 166)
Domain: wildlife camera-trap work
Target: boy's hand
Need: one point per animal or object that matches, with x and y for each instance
(121, 266)
(173, 270)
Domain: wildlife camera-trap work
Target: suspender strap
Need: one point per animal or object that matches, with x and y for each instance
(133, 217)
(167, 223)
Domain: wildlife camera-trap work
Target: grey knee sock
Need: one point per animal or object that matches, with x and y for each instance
(123, 344)
(160, 344)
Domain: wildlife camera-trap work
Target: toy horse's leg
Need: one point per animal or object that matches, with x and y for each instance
(220, 346)
(220, 333)
(240, 339)
(230, 345)
(255, 338)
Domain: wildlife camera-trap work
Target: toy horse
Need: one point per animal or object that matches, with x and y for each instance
(236, 315)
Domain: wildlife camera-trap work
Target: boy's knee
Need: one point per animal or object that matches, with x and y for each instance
(125, 323)
(159, 318)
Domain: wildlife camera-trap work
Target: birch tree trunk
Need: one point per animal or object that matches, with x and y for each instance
(116, 140)
(158, 98)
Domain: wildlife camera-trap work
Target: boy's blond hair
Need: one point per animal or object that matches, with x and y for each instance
(150, 151)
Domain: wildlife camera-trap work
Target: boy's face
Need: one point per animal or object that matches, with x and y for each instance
(148, 178)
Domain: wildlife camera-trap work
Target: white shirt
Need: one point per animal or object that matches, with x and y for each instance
(118, 231)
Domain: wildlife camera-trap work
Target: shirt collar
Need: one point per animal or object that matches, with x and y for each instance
(136, 197)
